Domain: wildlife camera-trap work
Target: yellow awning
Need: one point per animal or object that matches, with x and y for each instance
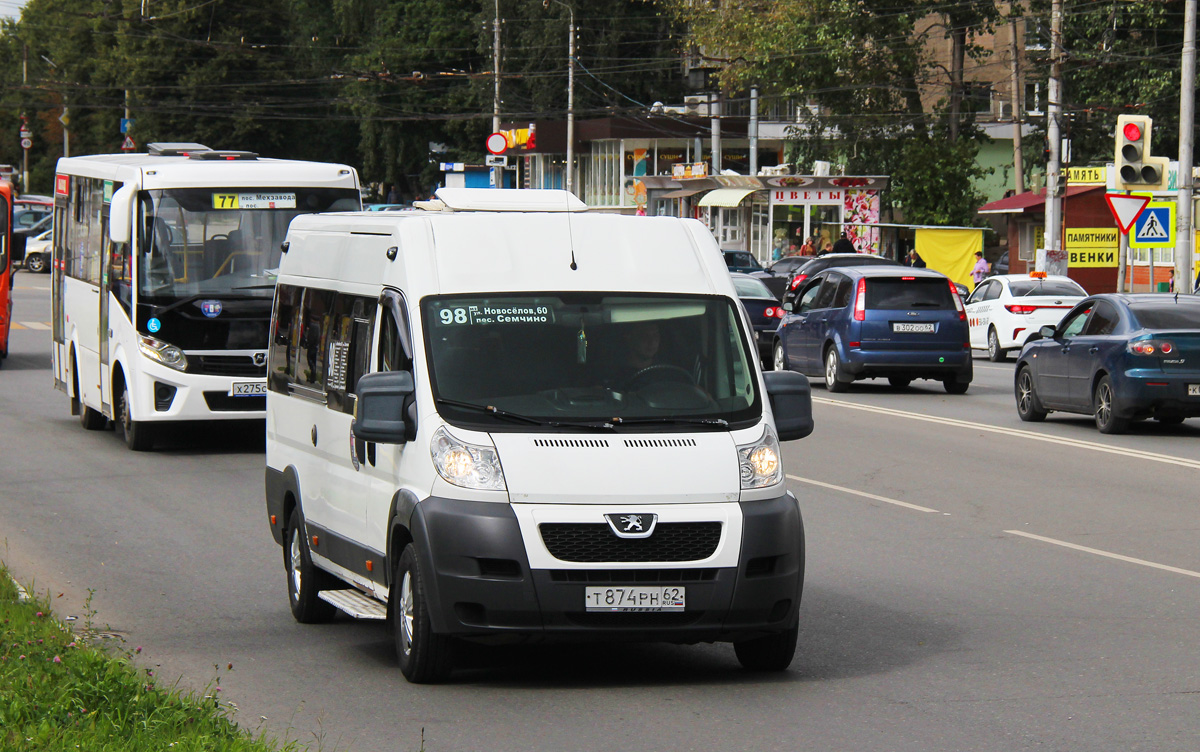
(725, 196)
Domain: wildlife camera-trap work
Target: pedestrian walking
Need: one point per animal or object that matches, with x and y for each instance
(982, 267)
(843, 245)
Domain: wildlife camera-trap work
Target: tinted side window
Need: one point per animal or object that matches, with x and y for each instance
(349, 348)
(993, 291)
(808, 296)
(285, 330)
(841, 297)
(1104, 320)
(825, 297)
(314, 336)
(1074, 325)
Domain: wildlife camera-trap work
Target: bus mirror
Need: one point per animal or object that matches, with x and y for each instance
(120, 211)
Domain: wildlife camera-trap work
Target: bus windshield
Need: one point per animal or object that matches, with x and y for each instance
(213, 241)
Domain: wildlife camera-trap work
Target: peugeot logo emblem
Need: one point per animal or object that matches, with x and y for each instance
(913, 313)
(633, 525)
(260, 359)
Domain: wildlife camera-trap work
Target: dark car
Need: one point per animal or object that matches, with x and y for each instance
(762, 307)
(29, 221)
(1001, 265)
(866, 322)
(830, 260)
(741, 261)
(1117, 357)
(777, 275)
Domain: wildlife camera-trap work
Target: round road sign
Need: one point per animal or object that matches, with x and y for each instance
(26, 143)
(497, 143)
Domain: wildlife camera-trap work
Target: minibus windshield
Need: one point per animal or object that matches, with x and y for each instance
(213, 241)
(658, 362)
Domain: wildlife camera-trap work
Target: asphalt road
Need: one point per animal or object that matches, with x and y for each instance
(974, 583)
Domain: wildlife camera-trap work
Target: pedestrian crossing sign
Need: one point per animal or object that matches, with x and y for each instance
(1155, 226)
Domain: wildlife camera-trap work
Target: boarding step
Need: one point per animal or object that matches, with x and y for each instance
(355, 603)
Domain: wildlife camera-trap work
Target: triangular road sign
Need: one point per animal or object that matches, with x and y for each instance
(1125, 208)
(129, 145)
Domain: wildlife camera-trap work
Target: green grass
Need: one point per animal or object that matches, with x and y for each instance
(59, 691)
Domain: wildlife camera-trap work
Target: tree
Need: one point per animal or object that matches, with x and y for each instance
(864, 65)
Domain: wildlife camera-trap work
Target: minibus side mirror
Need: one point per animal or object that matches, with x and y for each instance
(120, 210)
(379, 409)
(791, 401)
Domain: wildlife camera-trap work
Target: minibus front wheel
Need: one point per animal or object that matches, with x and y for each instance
(425, 656)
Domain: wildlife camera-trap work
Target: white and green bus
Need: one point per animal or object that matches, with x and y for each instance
(163, 276)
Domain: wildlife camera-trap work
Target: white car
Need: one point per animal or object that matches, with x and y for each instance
(37, 253)
(1004, 310)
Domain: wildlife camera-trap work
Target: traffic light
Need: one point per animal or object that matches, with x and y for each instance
(1136, 169)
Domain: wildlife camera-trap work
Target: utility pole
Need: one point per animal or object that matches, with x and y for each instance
(1054, 133)
(25, 121)
(496, 70)
(1018, 158)
(1184, 236)
(571, 104)
(714, 107)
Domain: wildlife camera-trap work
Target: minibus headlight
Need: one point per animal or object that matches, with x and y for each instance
(161, 352)
(759, 463)
(466, 465)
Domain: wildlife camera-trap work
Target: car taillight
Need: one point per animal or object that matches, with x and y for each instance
(773, 312)
(1152, 347)
(798, 280)
(860, 301)
(1021, 309)
(962, 312)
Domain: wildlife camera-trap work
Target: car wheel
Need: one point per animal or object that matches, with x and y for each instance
(425, 656)
(779, 358)
(35, 263)
(833, 372)
(304, 580)
(139, 436)
(1027, 403)
(996, 353)
(954, 386)
(770, 653)
(899, 381)
(1104, 406)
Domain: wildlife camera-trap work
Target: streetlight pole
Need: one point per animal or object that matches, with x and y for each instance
(569, 179)
(1184, 265)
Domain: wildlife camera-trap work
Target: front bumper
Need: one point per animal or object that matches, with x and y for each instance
(484, 589)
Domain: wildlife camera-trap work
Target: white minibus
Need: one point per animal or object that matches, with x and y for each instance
(163, 275)
(506, 418)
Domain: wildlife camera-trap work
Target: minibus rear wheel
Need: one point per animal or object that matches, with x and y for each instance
(771, 653)
(425, 656)
(305, 581)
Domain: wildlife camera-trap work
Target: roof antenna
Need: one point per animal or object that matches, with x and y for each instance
(570, 230)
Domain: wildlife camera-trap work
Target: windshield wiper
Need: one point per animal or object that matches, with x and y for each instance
(715, 422)
(517, 417)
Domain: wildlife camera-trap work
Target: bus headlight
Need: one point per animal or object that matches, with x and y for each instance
(759, 463)
(466, 465)
(161, 352)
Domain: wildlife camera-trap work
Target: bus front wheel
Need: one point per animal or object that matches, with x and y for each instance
(138, 435)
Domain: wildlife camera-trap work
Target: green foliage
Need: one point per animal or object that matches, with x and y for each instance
(58, 692)
(863, 64)
(1120, 58)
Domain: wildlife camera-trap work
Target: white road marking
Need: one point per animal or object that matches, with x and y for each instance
(1108, 554)
(1076, 443)
(843, 489)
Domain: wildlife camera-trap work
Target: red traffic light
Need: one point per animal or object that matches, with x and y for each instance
(1132, 132)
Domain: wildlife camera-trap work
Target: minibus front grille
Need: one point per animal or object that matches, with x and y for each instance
(596, 542)
(633, 576)
(226, 365)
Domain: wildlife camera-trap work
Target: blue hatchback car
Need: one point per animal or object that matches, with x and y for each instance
(1117, 357)
(864, 322)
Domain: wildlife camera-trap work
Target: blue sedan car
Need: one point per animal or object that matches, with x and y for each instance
(1118, 357)
(861, 322)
